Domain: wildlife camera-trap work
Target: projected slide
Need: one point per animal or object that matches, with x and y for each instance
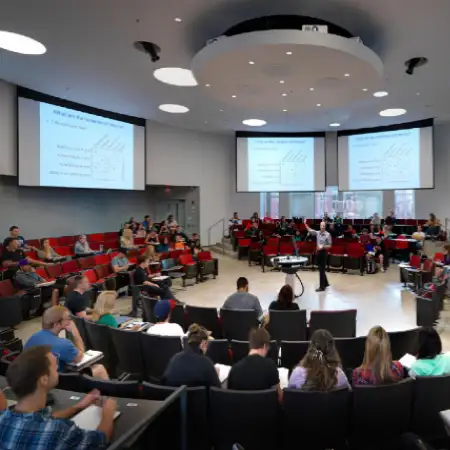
(82, 150)
(280, 164)
(401, 159)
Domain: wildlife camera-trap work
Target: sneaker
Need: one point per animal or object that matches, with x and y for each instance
(382, 269)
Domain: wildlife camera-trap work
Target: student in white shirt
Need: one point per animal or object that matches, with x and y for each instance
(163, 327)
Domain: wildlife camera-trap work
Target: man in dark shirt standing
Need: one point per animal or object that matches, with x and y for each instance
(78, 300)
(256, 372)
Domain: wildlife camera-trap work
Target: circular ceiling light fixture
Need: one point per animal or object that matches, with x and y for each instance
(254, 122)
(283, 94)
(177, 19)
(364, 89)
(233, 96)
(173, 109)
(284, 110)
(380, 94)
(311, 89)
(251, 62)
(319, 104)
(289, 53)
(346, 74)
(281, 81)
(335, 124)
(175, 76)
(19, 43)
(392, 112)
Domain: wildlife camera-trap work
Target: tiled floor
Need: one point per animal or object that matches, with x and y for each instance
(379, 298)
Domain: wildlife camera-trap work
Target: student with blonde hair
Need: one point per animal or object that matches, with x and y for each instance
(103, 310)
(126, 240)
(378, 367)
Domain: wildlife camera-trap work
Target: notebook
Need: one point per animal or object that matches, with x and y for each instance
(160, 278)
(45, 283)
(223, 371)
(407, 360)
(143, 325)
(89, 356)
(283, 373)
(90, 418)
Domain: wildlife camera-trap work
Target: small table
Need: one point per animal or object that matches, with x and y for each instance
(290, 265)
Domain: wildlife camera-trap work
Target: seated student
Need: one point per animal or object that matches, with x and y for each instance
(253, 231)
(297, 236)
(150, 254)
(140, 231)
(171, 222)
(141, 277)
(163, 312)
(334, 230)
(285, 300)
(191, 367)
(147, 223)
(434, 226)
(326, 218)
(178, 232)
(127, 241)
(27, 279)
(373, 231)
(48, 254)
(152, 238)
(380, 252)
(291, 229)
(235, 220)
(320, 369)
(255, 372)
(179, 243)
(78, 299)
(163, 228)
(12, 255)
(164, 245)
(121, 266)
(350, 232)
(262, 238)
(194, 243)
(242, 299)
(430, 359)
(54, 321)
(250, 224)
(255, 217)
(32, 425)
(419, 236)
(82, 247)
(14, 232)
(375, 220)
(378, 367)
(389, 223)
(364, 238)
(282, 227)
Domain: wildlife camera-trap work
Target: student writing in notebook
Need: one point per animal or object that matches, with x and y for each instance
(30, 424)
(54, 321)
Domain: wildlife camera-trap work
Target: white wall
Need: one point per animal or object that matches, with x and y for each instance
(189, 158)
(8, 129)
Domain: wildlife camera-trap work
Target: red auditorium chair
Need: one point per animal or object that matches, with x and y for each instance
(439, 257)
(67, 240)
(238, 234)
(95, 245)
(34, 243)
(86, 263)
(190, 267)
(70, 268)
(105, 275)
(28, 304)
(111, 235)
(355, 259)
(96, 237)
(54, 242)
(110, 245)
(43, 273)
(139, 241)
(64, 251)
(101, 259)
(255, 253)
(32, 255)
(207, 265)
(243, 247)
(54, 271)
(286, 248)
(94, 281)
(336, 257)
(269, 252)
(308, 250)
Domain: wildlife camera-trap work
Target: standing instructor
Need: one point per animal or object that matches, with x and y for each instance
(323, 244)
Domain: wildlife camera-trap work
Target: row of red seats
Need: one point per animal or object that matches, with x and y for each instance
(64, 241)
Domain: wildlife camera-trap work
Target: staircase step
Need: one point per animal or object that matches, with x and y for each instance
(218, 249)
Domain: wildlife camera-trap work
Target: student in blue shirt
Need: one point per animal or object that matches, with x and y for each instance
(55, 320)
(14, 232)
(30, 424)
(121, 266)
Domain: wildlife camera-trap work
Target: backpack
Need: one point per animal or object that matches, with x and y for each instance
(371, 266)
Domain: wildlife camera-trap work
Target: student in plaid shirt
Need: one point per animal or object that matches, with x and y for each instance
(30, 425)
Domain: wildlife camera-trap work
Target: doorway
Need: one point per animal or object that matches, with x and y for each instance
(175, 207)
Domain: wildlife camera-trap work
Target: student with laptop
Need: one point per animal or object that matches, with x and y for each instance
(55, 320)
(30, 424)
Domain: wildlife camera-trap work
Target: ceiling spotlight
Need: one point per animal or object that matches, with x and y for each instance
(319, 104)
(281, 81)
(177, 19)
(221, 110)
(365, 89)
(207, 85)
(284, 94)
(284, 110)
(254, 122)
(206, 121)
(19, 43)
(311, 89)
(417, 93)
(288, 53)
(174, 109)
(251, 62)
(176, 76)
(335, 124)
(346, 74)
(392, 112)
(380, 94)
(233, 96)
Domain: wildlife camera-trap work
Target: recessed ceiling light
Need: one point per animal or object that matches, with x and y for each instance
(176, 76)
(319, 104)
(417, 93)
(335, 124)
(284, 94)
(288, 53)
(251, 62)
(311, 89)
(233, 96)
(346, 74)
(206, 121)
(177, 19)
(174, 109)
(380, 94)
(365, 89)
(221, 110)
(281, 81)
(284, 110)
(19, 43)
(207, 85)
(254, 122)
(392, 112)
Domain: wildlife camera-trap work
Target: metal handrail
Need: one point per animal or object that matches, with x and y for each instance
(222, 221)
